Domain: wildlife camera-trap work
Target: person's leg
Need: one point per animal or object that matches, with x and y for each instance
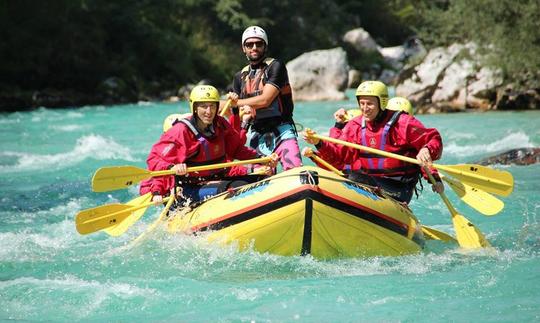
(400, 191)
(289, 154)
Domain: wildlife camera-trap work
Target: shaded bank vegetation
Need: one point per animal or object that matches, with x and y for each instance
(75, 52)
(507, 32)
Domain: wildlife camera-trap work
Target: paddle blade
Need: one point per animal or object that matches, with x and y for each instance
(101, 217)
(482, 177)
(117, 177)
(467, 234)
(434, 234)
(481, 201)
(124, 225)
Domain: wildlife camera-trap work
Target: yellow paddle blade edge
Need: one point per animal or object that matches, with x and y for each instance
(118, 177)
(125, 224)
(105, 216)
(479, 200)
(481, 177)
(434, 234)
(467, 234)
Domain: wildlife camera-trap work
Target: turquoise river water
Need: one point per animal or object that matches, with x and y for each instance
(48, 272)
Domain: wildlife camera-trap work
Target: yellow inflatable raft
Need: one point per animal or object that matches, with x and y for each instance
(306, 210)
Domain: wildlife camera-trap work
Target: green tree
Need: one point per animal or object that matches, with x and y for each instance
(506, 31)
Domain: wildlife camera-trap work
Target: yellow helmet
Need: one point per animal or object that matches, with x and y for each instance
(352, 113)
(400, 104)
(173, 118)
(203, 93)
(376, 89)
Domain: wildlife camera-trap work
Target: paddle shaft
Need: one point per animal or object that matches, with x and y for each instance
(226, 108)
(213, 166)
(155, 224)
(468, 236)
(129, 210)
(406, 159)
(326, 164)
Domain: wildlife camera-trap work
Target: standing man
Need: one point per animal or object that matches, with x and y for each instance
(263, 86)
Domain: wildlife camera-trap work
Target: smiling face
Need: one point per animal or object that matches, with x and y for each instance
(206, 112)
(254, 49)
(369, 106)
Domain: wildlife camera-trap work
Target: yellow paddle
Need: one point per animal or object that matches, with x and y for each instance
(125, 224)
(119, 177)
(105, 216)
(311, 155)
(434, 234)
(429, 232)
(352, 113)
(481, 201)
(485, 178)
(226, 108)
(468, 235)
(154, 225)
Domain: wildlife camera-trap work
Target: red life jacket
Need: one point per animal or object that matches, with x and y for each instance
(253, 82)
(211, 150)
(377, 165)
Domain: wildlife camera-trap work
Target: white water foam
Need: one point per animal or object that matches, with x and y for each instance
(67, 128)
(71, 282)
(95, 292)
(512, 141)
(47, 115)
(91, 146)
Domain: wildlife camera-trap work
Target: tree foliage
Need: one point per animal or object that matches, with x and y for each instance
(157, 45)
(506, 31)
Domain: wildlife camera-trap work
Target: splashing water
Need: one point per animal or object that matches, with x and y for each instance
(50, 272)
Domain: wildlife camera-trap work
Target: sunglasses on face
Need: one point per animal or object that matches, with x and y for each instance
(258, 44)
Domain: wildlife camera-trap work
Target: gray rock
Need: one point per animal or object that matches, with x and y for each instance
(448, 79)
(319, 75)
(520, 156)
(355, 78)
(360, 40)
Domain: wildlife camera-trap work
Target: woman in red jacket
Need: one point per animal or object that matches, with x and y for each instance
(387, 130)
(201, 139)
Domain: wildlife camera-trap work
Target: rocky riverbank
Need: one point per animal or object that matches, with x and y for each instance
(439, 80)
(447, 79)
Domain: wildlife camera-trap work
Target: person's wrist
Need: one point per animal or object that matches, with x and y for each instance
(339, 125)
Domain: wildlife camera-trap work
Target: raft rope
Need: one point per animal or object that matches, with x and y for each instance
(311, 180)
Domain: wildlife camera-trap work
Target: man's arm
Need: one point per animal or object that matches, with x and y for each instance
(277, 78)
(269, 93)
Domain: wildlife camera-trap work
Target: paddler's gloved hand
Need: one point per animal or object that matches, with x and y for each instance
(438, 187)
(341, 117)
(263, 169)
(273, 163)
(424, 157)
(233, 97)
(307, 136)
(180, 169)
(157, 199)
(307, 152)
